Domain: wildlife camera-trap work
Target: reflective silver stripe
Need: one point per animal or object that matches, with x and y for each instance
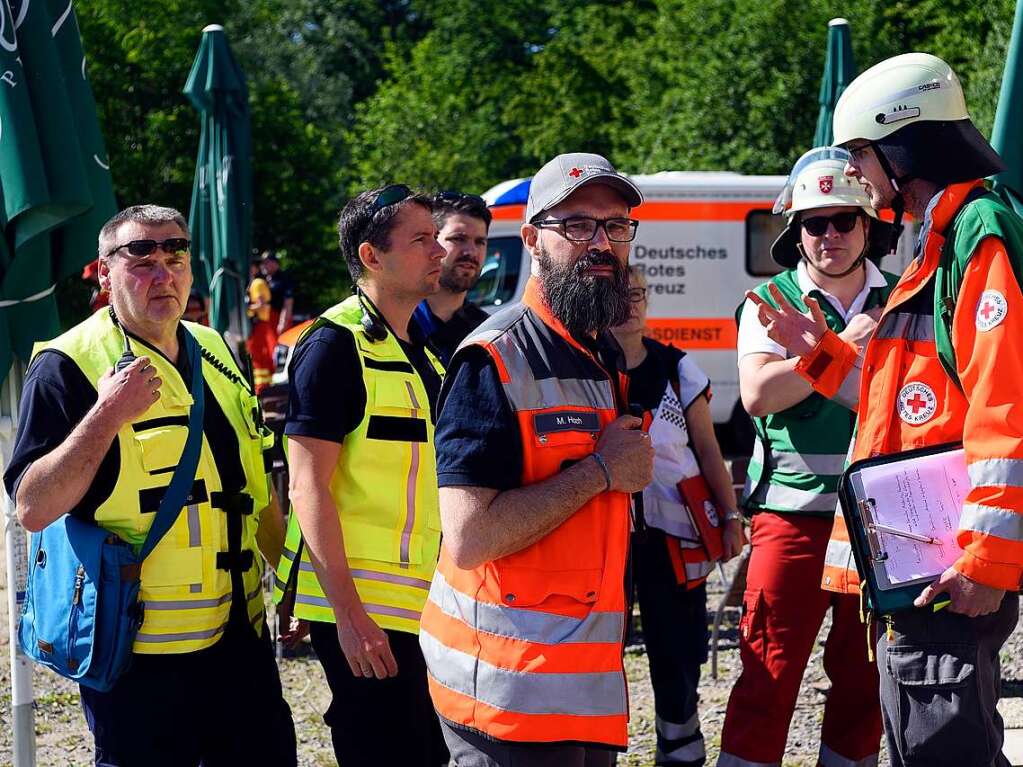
(673, 731)
(410, 489)
(838, 554)
(527, 393)
(194, 537)
(181, 636)
(697, 570)
(400, 580)
(1006, 472)
(690, 753)
(912, 327)
(992, 520)
(307, 566)
(526, 625)
(196, 604)
(194, 528)
(314, 601)
(731, 760)
(599, 693)
(829, 758)
(394, 612)
(830, 464)
(848, 394)
(793, 498)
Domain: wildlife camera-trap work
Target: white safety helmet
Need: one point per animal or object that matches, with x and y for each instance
(911, 108)
(818, 180)
(899, 91)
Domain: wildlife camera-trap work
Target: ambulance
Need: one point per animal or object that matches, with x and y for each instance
(704, 239)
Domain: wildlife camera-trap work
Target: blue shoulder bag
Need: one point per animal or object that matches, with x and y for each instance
(82, 608)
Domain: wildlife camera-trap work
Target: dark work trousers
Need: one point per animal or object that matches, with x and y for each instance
(940, 683)
(217, 707)
(473, 749)
(380, 721)
(675, 634)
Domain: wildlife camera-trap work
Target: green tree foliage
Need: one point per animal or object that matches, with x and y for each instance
(347, 94)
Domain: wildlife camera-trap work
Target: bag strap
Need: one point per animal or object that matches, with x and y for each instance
(184, 475)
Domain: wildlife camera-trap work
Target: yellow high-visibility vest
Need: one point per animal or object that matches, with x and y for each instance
(385, 490)
(185, 590)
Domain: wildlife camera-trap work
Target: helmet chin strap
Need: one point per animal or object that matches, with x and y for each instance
(855, 265)
(899, 201)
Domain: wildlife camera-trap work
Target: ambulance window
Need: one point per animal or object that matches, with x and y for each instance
(762, 228)
(500, 275)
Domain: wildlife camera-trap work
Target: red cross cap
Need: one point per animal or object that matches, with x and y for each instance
(917, 403)
(992, 308)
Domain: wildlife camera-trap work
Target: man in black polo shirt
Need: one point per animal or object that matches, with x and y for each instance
(448, 315)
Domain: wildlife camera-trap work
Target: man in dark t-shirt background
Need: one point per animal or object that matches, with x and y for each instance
(282, 299)
(448, 316)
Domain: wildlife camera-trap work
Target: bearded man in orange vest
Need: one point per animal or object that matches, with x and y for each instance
(943, 365)
(536, 461)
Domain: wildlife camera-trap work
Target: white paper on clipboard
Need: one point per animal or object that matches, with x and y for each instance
(922, 495)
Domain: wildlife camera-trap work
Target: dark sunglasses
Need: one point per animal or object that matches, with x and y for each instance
(843, 223)
(142, 248)
(637, 295)
(454, 198)
(389, 195)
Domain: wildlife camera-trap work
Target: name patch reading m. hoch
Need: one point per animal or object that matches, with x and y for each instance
(566, 420)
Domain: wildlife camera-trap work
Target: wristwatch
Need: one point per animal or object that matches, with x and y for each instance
(733, 515)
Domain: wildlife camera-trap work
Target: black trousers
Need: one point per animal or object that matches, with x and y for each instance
(380, 721)
(473, 749)
(675, 634)
(940, 682)
(218, 707)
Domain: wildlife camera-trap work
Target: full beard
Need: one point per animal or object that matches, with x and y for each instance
(585, 303)
(454, 281)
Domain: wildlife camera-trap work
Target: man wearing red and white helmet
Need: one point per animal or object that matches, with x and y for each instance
(943, 366)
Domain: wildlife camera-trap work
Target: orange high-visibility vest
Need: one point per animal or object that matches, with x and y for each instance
(907, 399)
(528, 647)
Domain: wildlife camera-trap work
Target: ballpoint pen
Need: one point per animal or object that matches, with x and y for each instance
(904, 534)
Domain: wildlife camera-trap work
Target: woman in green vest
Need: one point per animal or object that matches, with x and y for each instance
(828, 249)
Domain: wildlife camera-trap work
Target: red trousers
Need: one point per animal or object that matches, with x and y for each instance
(783, 608)
(261, 345)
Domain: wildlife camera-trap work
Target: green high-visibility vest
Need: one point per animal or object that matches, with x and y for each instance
(800, 452)
(384, 488)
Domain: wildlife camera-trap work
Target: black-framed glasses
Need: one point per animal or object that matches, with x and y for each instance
(584, 228)
(843, 223)
(389, 195)
(454, 197)
(637, 295)
(143, 248)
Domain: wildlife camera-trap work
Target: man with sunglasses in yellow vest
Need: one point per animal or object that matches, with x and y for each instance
(537, 457)
(364, 535)
(100, 440)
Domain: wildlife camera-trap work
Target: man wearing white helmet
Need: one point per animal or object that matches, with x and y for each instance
(944, 365)
(829, 249)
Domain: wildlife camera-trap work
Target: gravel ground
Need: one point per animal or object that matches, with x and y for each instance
(63, 739)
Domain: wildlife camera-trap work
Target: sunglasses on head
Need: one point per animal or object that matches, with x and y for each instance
(454, 198)
(390, 195)
(142, 248)
(818, 225)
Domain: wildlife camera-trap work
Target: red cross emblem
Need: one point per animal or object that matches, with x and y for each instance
(917, 403)
(991, 309)
(575, 172)
(826, 184)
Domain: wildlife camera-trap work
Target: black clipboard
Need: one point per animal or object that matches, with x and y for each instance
(882, 597)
